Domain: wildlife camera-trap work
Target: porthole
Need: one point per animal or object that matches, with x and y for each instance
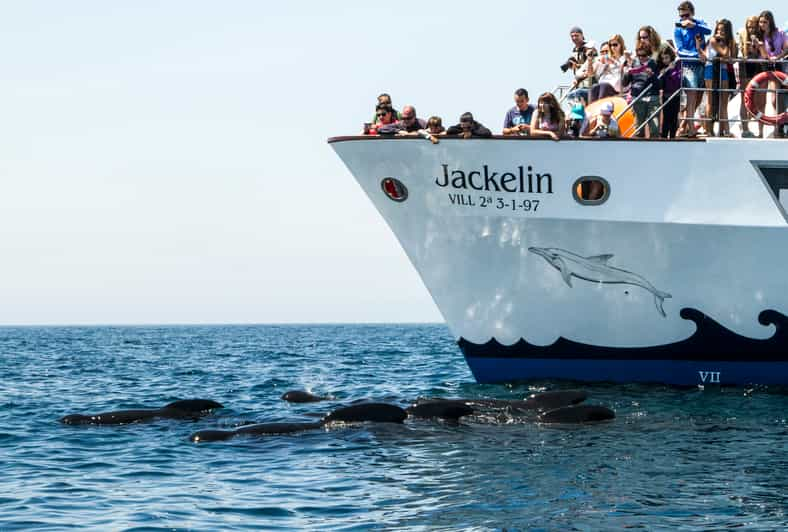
(591, 190)
(394, 189)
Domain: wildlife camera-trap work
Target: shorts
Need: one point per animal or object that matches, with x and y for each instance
(708, 73)
(691, 74)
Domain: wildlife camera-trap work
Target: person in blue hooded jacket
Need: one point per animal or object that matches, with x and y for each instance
(690, 36)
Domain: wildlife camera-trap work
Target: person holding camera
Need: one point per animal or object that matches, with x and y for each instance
(577, 63)
(644, 87)
(749, 38)
(689, 36)
(609, 69)
(605, 126)
(721, 46)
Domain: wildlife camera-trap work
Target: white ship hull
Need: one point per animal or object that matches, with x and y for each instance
(681, 276)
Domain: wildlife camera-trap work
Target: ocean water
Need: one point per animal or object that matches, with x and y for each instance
(672, 459)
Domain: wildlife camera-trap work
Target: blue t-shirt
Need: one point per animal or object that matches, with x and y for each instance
(515, 117)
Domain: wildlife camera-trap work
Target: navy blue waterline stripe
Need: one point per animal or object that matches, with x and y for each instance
(710, 342)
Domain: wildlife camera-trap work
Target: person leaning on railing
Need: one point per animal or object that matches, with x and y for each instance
(644, 89)
(408, 124)
(749, 49)
(468, 127)
(385, 99)
(384, 115)
(518, 119)
(670, 84)
(605, 125)
(720, 46)
(775, 48)
(548, 119)
(434, 129)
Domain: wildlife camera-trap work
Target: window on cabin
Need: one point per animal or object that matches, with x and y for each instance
(591, 190)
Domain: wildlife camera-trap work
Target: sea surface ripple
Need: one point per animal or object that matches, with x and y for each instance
(673, 459)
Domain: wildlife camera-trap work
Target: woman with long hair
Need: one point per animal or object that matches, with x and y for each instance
(774, 46)
(748, 38)
(670, 83)
(721, 46)
(548, 120)
(648, 35)
(610, 69)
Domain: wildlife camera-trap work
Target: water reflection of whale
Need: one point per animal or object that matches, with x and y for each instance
(184, 409)
(711, 341)
(596, 269)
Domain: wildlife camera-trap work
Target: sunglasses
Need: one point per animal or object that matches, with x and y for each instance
(684, 15)
(614, 44)
(643, 37)
(382, 114)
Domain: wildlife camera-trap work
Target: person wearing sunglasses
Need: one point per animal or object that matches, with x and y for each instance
(384, 115)
(644, 86)
(610, 69)
(385, 99)
(690, 34)
(647, 34)
(407, 125)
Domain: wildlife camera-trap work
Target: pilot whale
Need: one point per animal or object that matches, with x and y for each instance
(184, 409)
(596, 269)
(357, 413)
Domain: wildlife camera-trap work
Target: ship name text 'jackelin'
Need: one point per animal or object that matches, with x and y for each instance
(520, 181)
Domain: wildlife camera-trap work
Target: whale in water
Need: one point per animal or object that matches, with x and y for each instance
(577, 414)
(300, 396)
(184, 409)
(257, 429)
(451, 409)
(541, 401)
(357, 413)
(596, 269)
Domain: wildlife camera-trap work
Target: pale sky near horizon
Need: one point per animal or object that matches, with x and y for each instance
(166, 162)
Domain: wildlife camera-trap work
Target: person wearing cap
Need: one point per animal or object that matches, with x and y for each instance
(518, 119)
(578, 57)
(585, 77)
(606, 126)
(468, 127)
(576, 121)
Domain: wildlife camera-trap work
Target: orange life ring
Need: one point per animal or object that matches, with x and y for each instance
(749, 95)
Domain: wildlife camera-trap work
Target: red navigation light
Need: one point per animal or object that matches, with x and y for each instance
(394, 189)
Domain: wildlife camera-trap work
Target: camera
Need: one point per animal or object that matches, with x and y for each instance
(570, 63)
(678, 24)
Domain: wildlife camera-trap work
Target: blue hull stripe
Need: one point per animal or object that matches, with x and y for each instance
(676, 372)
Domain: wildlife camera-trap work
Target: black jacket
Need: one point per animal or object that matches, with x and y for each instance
(477, 130)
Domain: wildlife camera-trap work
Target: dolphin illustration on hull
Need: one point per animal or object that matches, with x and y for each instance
(596, 269)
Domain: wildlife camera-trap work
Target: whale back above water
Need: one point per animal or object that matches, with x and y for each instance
(375, 412)
(452, 409)
(301, 396)
(183, 409)
(578, 414)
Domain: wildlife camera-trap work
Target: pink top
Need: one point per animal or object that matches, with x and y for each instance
(548, 126)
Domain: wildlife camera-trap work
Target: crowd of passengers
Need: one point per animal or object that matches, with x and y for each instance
(698, 59)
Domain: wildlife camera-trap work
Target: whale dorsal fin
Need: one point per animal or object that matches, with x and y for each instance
(565, 272)
(601, 258)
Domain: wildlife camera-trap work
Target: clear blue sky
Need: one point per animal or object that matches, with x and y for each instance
(165, 162)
